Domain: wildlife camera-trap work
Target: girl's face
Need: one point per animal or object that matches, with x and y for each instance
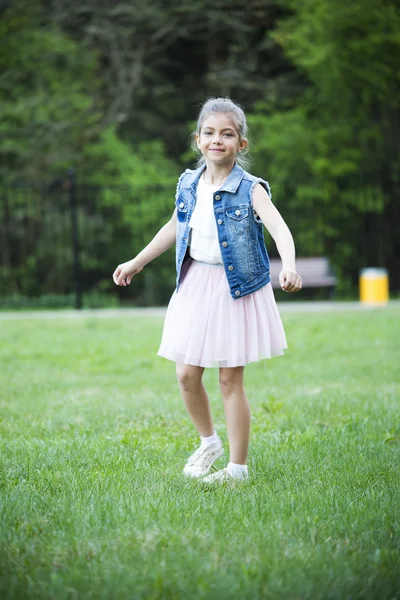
(219, 141)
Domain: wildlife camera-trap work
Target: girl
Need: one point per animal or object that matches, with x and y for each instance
(223, 312)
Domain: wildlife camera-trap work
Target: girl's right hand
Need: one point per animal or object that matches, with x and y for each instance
(123, 273)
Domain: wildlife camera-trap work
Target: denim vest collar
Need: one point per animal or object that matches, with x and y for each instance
(231, 184)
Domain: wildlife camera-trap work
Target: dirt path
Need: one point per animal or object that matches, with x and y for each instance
(285, 307)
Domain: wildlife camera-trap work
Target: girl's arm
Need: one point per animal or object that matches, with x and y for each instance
(162, 241)
(288, 278)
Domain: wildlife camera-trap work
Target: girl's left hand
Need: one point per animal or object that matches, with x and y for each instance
(290, 281)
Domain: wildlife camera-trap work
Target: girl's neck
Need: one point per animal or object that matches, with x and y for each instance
(214, 175)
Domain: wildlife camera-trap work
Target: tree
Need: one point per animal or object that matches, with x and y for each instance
(47, 95)
(335, 151)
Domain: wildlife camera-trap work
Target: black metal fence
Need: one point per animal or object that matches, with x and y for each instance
(61, 241)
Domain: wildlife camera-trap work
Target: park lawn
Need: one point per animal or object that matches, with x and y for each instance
(94, 438)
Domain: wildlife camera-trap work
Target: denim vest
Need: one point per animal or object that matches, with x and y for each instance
(240, 230)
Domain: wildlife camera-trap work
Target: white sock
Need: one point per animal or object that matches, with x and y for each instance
(237, 471)
(206, 441)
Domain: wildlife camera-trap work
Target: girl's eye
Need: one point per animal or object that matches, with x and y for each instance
(211, 133)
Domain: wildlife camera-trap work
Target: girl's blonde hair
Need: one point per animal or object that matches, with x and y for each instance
(228, 107)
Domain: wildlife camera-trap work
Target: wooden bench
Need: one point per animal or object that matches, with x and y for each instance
(315, 272)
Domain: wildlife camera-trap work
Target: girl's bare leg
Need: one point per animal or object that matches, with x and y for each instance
(237, 412)
(195, 397)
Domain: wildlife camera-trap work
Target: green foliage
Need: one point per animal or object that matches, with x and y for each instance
(348, 50)
(47, 92)
(110, 160)
(142, 199)
(332, 155)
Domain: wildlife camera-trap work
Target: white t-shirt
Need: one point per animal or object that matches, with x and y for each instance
(203, 237)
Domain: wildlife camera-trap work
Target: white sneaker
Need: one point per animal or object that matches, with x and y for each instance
(223, 477)
(202, 460)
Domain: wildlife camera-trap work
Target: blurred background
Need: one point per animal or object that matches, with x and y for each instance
(98, 98)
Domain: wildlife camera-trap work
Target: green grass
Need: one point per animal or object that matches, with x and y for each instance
(94, 437)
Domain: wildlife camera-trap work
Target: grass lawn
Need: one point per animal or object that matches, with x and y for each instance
(94, 437)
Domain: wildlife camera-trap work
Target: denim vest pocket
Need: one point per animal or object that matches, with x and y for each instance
(239, 213)
(181, 210)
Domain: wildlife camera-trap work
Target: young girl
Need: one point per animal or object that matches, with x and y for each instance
(223, 312)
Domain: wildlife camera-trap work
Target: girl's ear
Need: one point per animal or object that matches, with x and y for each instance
(242, 144)
(197, 140)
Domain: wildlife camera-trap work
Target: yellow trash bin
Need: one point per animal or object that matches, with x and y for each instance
(374, 286)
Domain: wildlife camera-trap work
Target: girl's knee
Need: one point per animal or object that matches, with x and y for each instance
(188, 375)
(231, 380)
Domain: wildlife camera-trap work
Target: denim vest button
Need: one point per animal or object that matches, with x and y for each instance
(218, 197)
(224, 244)
(219, 221)
(181, 205)
(237, 212)
(230, 268)
(237, 293)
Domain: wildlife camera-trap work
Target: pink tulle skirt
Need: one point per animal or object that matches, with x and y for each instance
(205, 327)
